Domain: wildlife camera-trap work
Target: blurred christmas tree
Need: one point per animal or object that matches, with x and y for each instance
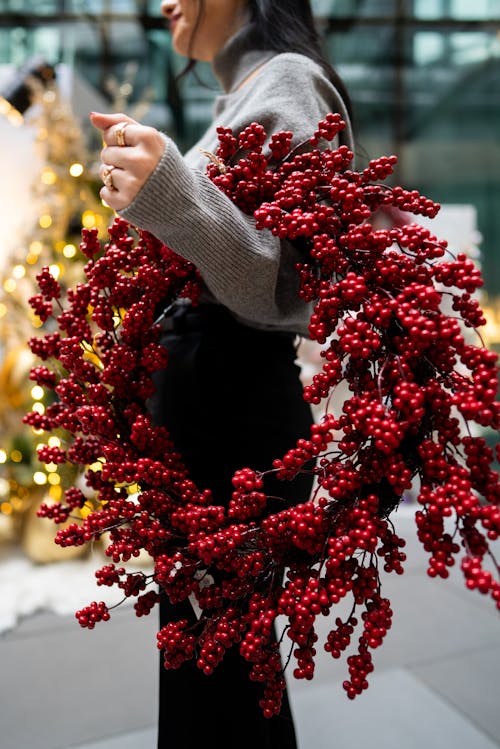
(65, 197)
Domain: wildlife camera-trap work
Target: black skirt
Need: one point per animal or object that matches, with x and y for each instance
(231, 397)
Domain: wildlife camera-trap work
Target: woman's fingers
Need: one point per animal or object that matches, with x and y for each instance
(130, 155)
(116, 128)
(140, 144)
(119, 188)
(103, 121)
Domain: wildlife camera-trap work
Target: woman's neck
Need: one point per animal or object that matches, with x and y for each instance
(240, 59)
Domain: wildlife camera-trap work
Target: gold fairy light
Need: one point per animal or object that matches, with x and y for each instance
(36, 247)
(48, 176)
(69, 251)
(39, 478)
(16, 456)
(10, 285)
(55, 270)
(55, 493)
(38, 408)
(54, 479)
(18, 271)
(76, 169)
(491, 331)
(49, 96)
(37, 392)
(45, 221)
(88, 219)
(3, 456)
(4, 487)
(54, 441)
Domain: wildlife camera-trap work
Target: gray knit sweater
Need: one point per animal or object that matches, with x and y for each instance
(248, 270)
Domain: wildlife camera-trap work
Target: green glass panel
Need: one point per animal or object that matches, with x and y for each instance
(354, 8)
(481, 10)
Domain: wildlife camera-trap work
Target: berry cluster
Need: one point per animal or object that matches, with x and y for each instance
(417, 389)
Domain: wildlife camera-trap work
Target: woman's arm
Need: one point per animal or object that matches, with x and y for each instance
(248, 270)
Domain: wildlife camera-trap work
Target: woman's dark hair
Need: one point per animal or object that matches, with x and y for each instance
(288, 26)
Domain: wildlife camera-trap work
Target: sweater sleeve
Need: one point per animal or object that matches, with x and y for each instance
(248, 270)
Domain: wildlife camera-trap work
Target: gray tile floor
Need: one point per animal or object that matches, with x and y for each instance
(435, 684)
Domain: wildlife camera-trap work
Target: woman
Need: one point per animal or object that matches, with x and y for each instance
(231, 395)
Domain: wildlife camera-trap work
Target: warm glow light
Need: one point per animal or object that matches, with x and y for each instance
(36, 247)
(69, 250)
(9, 285)
(76, 169)
(37, 392)
(40, 478)
(3, 456)
(48, 176)
(6, 508)
(3, 309)
(16, 456)
(38, 408)
(45, 221)
(88, 219)
(54, 479)
(55, 493)
(14, 117)
(54, 442)
(55, 270)
(491, 331)
(19, 271)
(51, 467)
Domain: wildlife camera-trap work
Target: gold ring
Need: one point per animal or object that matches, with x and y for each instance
(120, 134)
(107, 178)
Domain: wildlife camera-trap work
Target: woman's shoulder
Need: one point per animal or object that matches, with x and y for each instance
(290, 91)
(287, 77)
(294, 81)
(293, 65)
(296, 59)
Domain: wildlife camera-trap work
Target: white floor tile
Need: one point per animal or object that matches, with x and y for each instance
(137, 740)
(396, 712)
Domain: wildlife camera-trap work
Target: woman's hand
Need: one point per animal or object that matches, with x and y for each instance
(130, 155)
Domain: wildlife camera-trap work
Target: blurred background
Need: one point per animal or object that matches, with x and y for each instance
(424, 77)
